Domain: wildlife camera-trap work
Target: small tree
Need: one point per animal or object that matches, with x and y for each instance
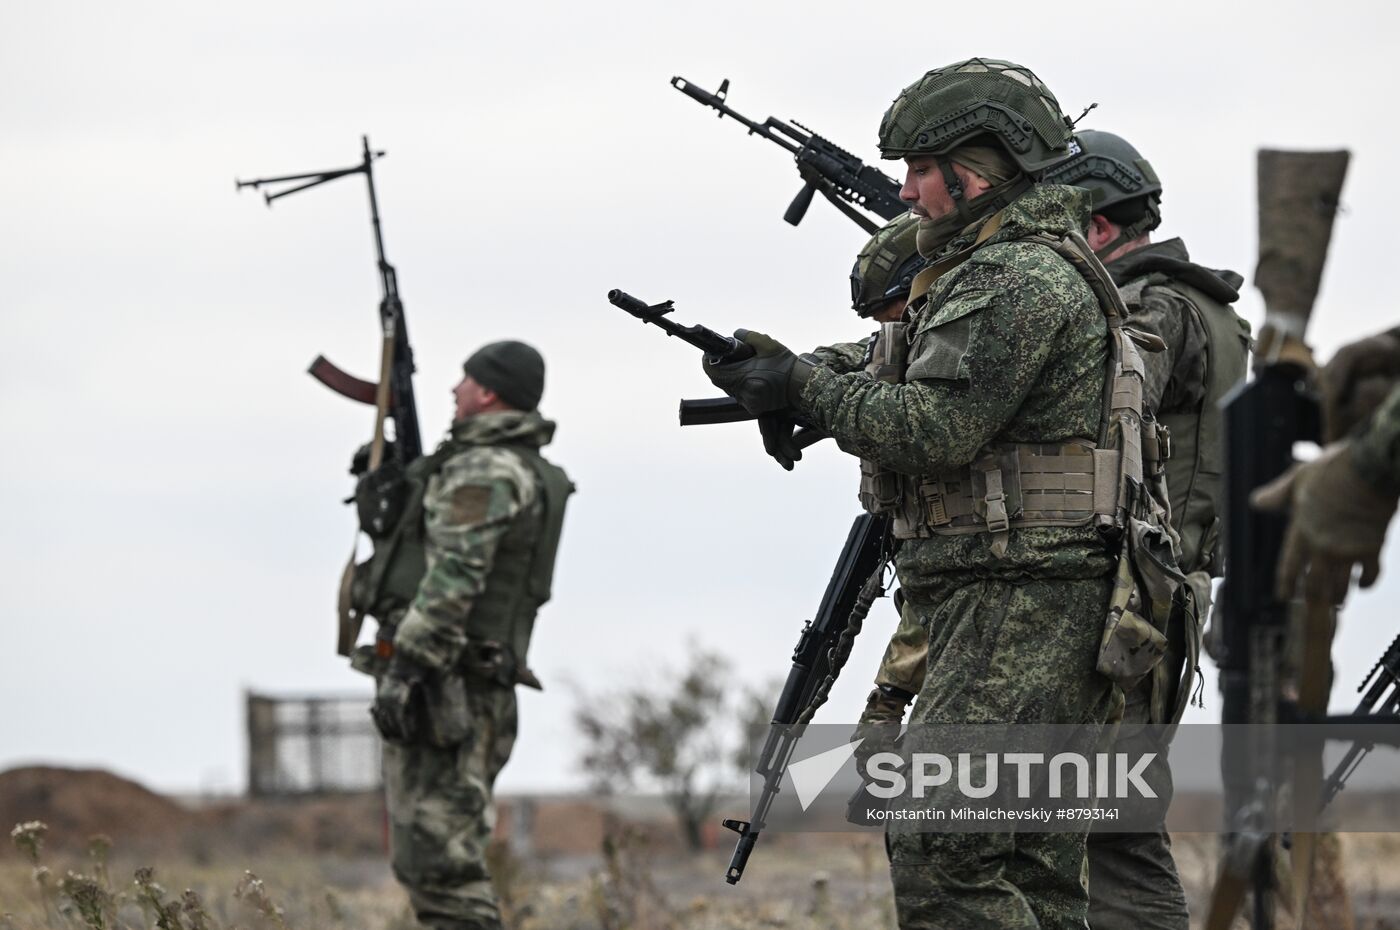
(689, 740)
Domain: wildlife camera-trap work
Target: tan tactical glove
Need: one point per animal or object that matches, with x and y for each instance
(1337, 520)
(1357, 380)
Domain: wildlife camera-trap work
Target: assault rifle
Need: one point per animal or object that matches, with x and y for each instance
(821, 651)
(850, 184)
(392, 395)
(1384, 676)
(717, 348)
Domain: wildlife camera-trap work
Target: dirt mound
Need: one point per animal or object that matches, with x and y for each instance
(77, 803)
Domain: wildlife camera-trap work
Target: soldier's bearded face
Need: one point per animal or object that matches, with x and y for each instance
(926, 192)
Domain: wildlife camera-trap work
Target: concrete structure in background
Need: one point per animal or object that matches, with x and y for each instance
(310, 744)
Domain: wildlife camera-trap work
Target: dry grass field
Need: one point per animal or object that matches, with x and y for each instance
(284, 867)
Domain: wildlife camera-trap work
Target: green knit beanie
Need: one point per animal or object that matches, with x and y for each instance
(514, 370)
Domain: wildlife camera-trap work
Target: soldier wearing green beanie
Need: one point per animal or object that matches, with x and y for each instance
(513, 370)
(486, 535)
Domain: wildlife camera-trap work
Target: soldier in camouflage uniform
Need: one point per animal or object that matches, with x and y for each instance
(1008, 337)
(487, 528)
(1133, 881)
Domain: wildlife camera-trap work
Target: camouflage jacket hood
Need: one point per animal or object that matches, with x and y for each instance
(1171, 259)
(504, 428)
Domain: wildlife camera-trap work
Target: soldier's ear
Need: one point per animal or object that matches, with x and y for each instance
(1101, 231)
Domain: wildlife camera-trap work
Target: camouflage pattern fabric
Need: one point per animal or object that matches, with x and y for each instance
(1376, 448)
(440, 804)
(1010, 346)
(1133, 881)
(843, 357)
(1174, 379)
(1001, 651)
(1133, 878)
(469, 505)
(441, 816)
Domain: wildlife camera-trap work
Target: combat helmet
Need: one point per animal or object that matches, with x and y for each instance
(953, 105)
(1125, 188)
(885, 268)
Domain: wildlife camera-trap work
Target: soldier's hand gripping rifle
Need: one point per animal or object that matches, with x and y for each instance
(392, 394)
(718, 348)
(821, 651)
(851, 185)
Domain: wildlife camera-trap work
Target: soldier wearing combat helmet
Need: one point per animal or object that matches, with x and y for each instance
(995, 401)
(880, 281)
(1133, 878)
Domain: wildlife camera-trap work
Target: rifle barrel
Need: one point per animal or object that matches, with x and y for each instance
(764, 129)
(717, 347)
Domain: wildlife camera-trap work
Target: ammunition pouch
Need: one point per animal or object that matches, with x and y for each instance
(446, 719)
(1148, 592)
(1011, 486)
(879, 488)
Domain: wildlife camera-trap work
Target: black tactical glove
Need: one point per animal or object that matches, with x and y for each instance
(880, 723)
(398, 709)
(768, 380)
(777, 429)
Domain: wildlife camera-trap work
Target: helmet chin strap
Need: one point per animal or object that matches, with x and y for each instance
(955, 190)
(984, 204)
(934, 235)
(1150, 220)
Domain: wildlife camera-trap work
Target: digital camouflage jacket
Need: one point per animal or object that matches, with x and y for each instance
(1009, 346)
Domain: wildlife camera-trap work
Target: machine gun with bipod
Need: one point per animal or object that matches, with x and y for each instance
(392, 395)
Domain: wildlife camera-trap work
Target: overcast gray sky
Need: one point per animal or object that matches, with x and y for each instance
(172, 531)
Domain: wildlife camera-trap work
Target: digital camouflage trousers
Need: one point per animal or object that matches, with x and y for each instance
(1133, 882)
(441, 816)
(1002, 652)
